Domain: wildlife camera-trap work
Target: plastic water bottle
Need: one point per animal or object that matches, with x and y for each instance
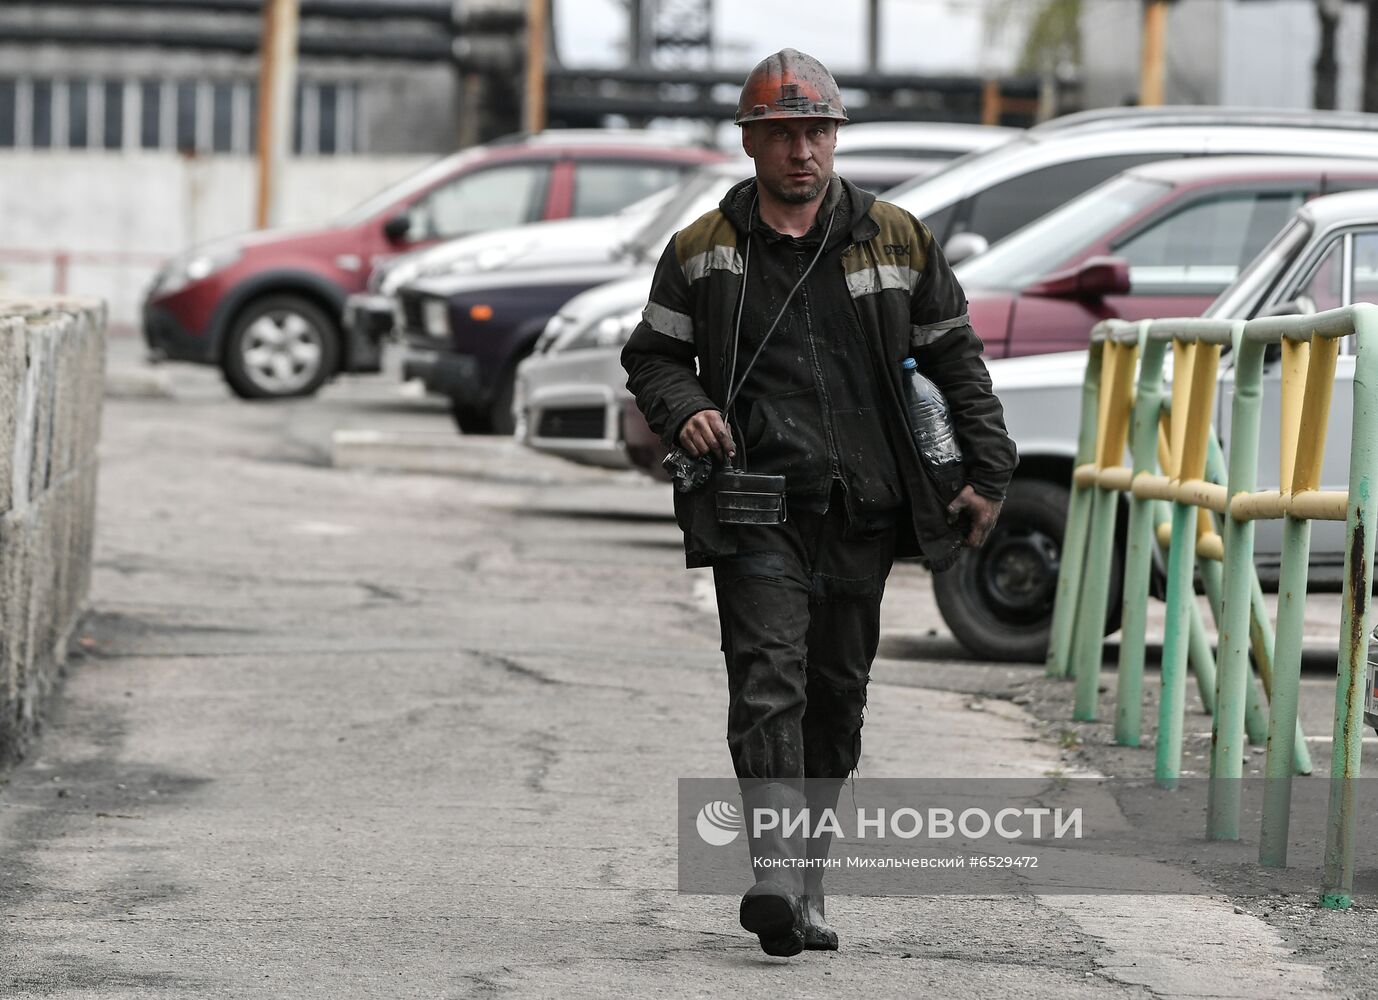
(930, 421)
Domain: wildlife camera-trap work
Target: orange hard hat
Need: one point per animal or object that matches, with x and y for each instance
(789, 84)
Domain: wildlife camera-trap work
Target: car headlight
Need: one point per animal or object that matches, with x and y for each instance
(395, 276)
(553, 328)
(435, 316)
(184, 270)
(610, 331)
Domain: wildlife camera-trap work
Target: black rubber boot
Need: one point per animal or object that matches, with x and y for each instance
(770, 911)
(818, 935)
(771, 908)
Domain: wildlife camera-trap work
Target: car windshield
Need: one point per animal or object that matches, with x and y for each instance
(694, 196)
(929, 192)
(404, 189)
(1041, 247)
(1246, 294)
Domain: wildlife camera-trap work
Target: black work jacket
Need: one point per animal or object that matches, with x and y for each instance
(908, 304)
(810, 406)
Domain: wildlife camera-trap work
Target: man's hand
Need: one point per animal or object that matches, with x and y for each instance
(706, 431)
(982, 513)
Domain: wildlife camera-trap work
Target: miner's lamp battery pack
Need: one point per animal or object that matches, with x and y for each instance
(748, 498)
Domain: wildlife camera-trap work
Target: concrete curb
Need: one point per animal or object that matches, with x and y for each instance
(138, 383)
(496, 459)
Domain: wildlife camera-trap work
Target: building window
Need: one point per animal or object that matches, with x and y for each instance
(191, 116)
(298, 107)
(222, 134)
(328, 113)
(78, 113)
(8, 94)
(186, 116)
(112, 136)
(41, 136)
(150, 113)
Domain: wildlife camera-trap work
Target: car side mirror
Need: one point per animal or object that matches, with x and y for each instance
(397, 227)
(963, 245)
(1094, 278)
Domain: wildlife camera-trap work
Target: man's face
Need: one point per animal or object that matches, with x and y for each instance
(794, 156)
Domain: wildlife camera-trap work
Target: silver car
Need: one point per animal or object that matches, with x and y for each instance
(571, 398)
(998, 602)
(985, 196)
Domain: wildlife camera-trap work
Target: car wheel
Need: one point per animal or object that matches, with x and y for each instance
(998, 600)
(468, 419)
(280, 346)
(500, 417)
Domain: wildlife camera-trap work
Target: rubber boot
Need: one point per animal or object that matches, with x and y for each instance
(818, 935)
(771, 908)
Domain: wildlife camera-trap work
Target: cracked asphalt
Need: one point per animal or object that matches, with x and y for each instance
(340, 733)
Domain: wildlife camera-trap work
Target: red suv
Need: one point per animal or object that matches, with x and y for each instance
(265, 307)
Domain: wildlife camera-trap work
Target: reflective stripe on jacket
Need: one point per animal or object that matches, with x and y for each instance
(908, 303)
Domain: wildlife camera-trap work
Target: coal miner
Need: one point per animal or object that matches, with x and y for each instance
(772, 357)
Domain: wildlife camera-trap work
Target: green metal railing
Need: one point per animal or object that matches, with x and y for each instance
(1176, 460)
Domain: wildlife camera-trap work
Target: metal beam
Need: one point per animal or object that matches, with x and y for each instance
(414, 48)
(564, 104)
(428, 10)
(1022, 86)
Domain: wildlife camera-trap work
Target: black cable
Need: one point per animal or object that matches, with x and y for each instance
(730, 416)
(736, 334)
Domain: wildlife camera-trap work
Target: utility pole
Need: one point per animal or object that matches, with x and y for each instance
(1326, 69)
(1151, 67)
(873, 35)
(277, 85)
(534, 116)
(1370, 98)
(636, 33)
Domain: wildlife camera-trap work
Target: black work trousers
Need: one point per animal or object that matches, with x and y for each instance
(799, 607)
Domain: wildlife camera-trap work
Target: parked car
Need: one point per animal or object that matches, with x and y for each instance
(998, 601)
(466, 333)
(981, 198)
(265, 306)
(936, 142)
(370, 315)
(571, 397)
(1162, 239)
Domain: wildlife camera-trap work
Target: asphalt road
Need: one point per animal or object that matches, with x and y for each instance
(345, 733)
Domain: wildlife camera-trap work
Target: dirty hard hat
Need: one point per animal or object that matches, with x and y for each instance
(789, 84)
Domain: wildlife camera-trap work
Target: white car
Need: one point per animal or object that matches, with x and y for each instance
(983, 197)
(370, 314)
(935, 141)
(998, 601)
(571, 397)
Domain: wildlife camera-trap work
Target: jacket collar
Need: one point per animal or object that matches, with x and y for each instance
(736, 205)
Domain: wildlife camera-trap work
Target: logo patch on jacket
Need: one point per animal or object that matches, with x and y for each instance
(897, 249)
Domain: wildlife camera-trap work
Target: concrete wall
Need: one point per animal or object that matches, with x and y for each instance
(134, 209)
(52, 361)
